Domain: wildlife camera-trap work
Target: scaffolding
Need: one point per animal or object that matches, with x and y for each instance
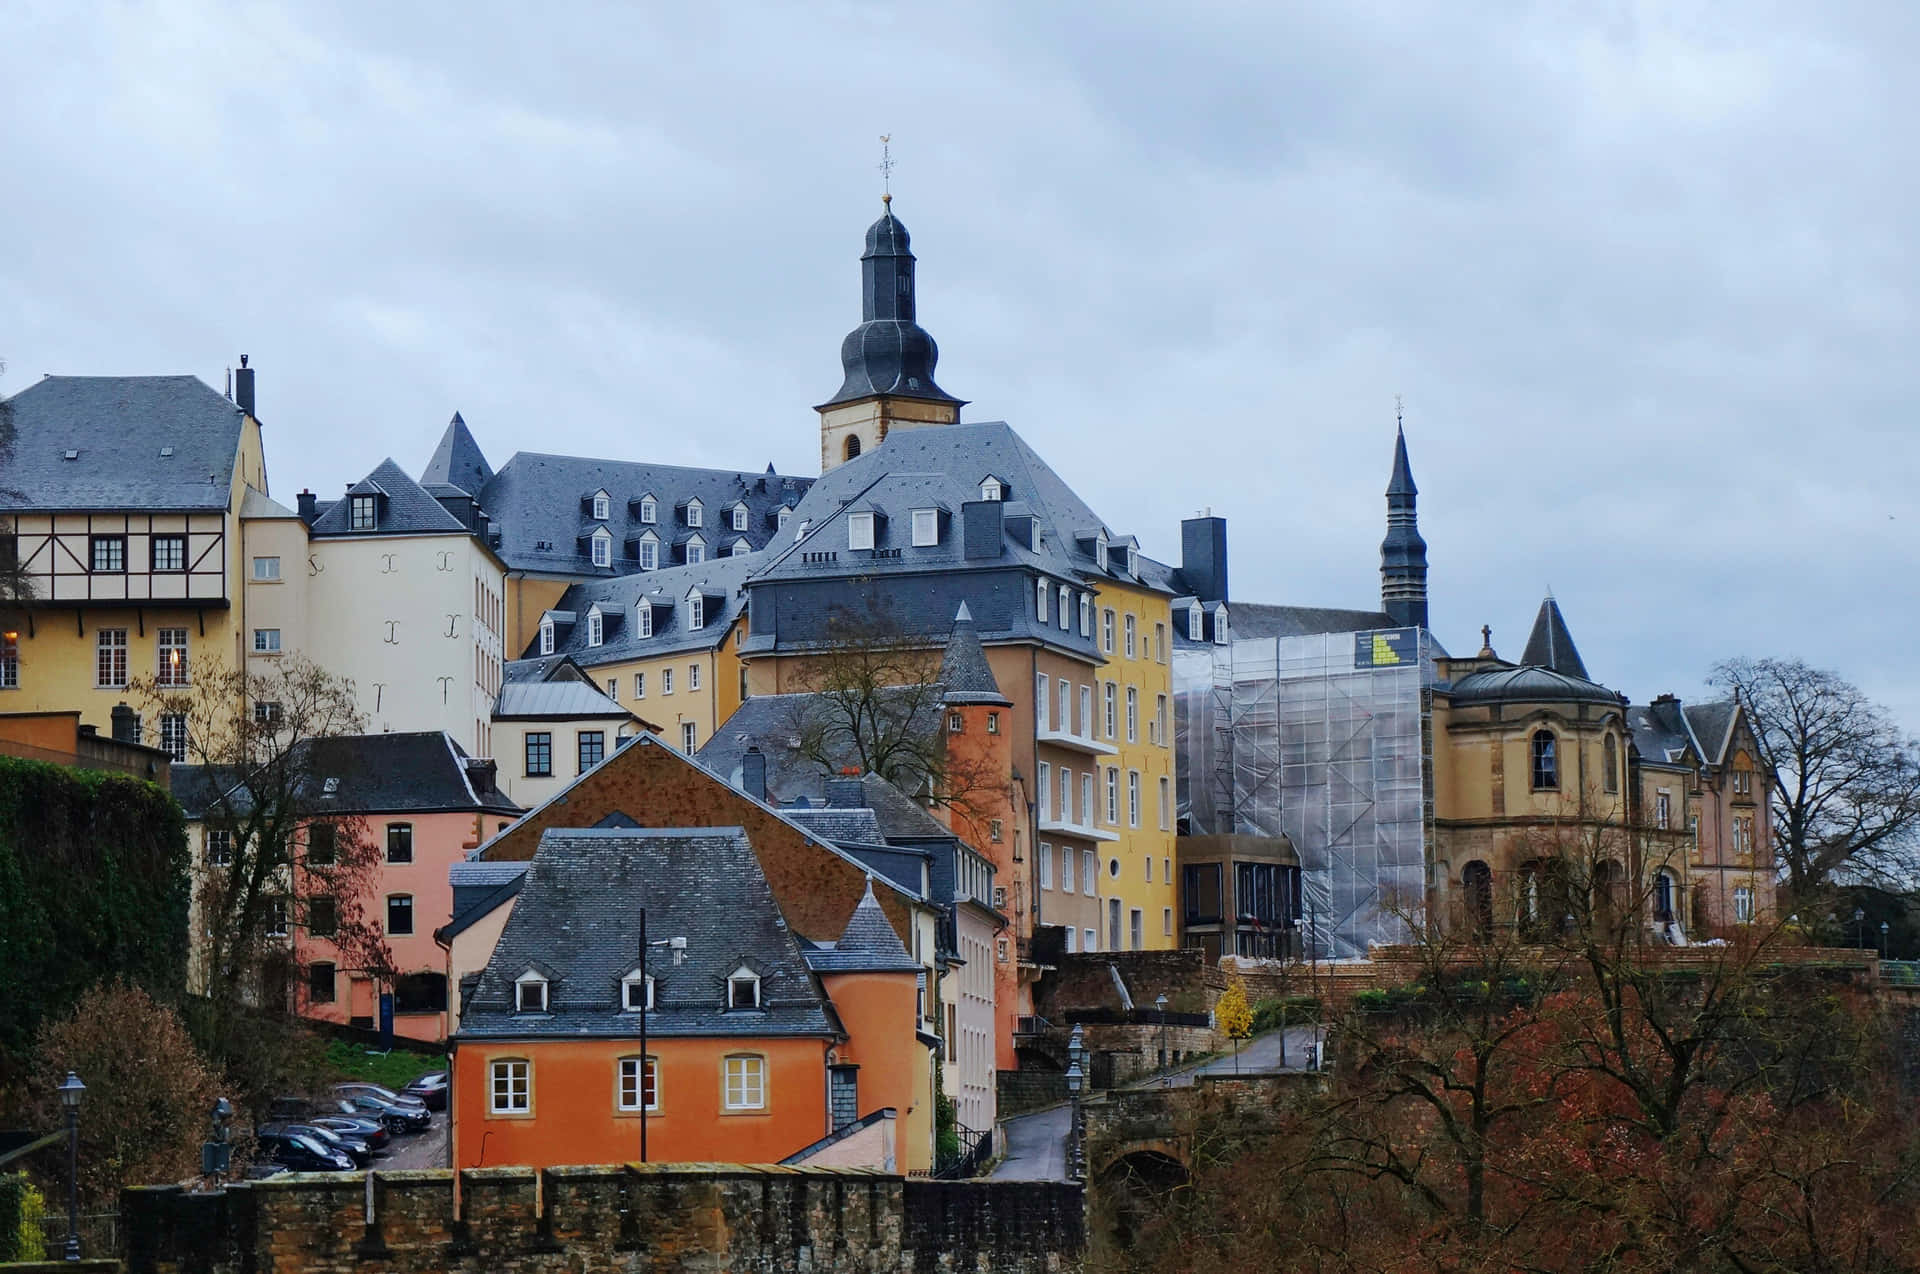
(1325, 739)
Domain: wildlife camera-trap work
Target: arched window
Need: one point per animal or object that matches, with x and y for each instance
(1610, 764)
(1477, 880)
(852, 448)
(1663, 897)
(1546, 762)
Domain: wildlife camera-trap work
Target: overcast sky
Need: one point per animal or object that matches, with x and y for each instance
(1644, 274)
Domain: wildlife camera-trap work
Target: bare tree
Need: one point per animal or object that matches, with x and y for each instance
(1846, 780)
(287, 873)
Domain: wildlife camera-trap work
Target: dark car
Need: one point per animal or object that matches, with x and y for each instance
(360, 1088)
(430, 1088)
(352, 1147)
(300, 1153)
(397, 1118)
(371, 1131)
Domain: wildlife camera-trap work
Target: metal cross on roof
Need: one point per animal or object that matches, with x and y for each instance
(886, 168)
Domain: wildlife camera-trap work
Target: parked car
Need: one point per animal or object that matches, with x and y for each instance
(430, 1088)
(298, 1152)
(352, 1147)
(264, 1168)
(398, 1118)
(371, 1131)
(359, 1088)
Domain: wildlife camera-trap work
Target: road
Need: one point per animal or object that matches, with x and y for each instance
(1036, 1146)
(417, 1149)
(1261, 1053)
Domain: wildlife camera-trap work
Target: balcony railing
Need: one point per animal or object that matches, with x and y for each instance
(1054, 823)
(1076, 742)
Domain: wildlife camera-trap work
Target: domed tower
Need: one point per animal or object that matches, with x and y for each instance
(1403, 554)
(888, 360)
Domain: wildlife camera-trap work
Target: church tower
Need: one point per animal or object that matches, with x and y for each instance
(888, 359)
(1403, 554)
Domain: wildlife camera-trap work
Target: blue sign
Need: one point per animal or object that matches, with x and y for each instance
(1387, 648)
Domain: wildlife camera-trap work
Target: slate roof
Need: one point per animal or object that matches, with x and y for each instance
(414, 772)
(1529, 685)
(1712, 725)
(1660, 731)
(540, 513)
(539, 668)
(258, 505)
(403, 507)
(965, 676)
(869, 944)
(1550, 645)
(477, 889)
(1252, 619)
(458, 460)
(554, 701)
(889, 353)
(119, 427)
(718, 579)
(856, 826)
(578, 916)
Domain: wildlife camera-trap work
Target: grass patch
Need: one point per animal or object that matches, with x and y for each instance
(393, 1070)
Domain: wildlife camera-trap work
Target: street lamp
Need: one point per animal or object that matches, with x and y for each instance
(1859, 930)
(679, 946)
(1074, 1081)
(71, 1091)
(1160, 1002)
(1883, 939)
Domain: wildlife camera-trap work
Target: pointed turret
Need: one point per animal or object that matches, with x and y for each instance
(1551, 646)
(458, 461)
(869, 944)
(965, 675)
(1403, 554)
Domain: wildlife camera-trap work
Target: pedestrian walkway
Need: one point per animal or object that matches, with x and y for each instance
(1036, 1146)
(1261, 1053)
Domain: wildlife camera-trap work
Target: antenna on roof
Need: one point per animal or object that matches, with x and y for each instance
(886, 169)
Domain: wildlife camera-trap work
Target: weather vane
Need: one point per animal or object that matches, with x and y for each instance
(886, 168)
(1399, 418)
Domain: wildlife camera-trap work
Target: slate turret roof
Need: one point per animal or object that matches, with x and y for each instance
(965, 676)
(458, 461)
(889, 353)
(869, 944)
(1551, 646)
(138, 442)
(577, 920)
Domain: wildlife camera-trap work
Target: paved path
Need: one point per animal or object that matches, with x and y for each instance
(1036, 1146)
(1261, 1053)
(417, 1149)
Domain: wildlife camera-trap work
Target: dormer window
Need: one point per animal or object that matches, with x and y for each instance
(1040, 600)
(601, 545)
(1133, 559)
(992, 490)
(739, 548)
(546, 636)
(596, 627)
(695, 512)
(926, 528)
(601, 501)
(530, 993)
(1066, 608)
(1100, 550)
(636, 993)
(649, 511)
(860, 530)
(1196, 623)
(643, 619)
(1086, 614)
(743, 989)
(696, 550)
(364, 513)
(780, 518)
(649, 552)
(739, 517)
(1220, 625)
(696, 612)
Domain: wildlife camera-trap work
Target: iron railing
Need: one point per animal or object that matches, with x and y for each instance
(975, 1149)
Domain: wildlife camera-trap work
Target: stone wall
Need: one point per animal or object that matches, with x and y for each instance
(1021, 1091)
(756, 1220)
(1085, 981)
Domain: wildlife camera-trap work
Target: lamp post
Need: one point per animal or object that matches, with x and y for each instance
(1859, 927)
(71, 1091)
(1160, 1002)
(679, 946)
(1076, 1081)
(1883, 939)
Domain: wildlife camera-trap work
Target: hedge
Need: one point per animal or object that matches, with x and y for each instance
(93, 885)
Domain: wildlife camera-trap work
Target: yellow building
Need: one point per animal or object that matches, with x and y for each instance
(124, 500)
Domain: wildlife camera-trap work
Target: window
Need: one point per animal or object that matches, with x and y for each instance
(1196, 623)
(643, 620)
(1165, 804)
(1100, 550)
(639, 1081)
(600, 506)
(695, 513)
(1742, 904)
(110, 657)
(1045, 865)
(539, 754)
(613, 688)
(266, 712)
(781, 518)
(1610, 764)
(361, 513)
(1111, 694)
(693, 676)
(1086, 711)
(1219, 625)
(1166, 919)
(219, 847)
(696, 612)
(1066, 707)
(511, 1089)
(1546, 768)
(169, 552)
(739, 548)
(1160, 720)
(639, 685)
(1133, 714)
(1066, 796)
(1106, 631)
(1066, 869)
(9, 661)
(1743, 835)
(1133, 636)
(323, 916)
(1663, 897)
(320, 983)
(1662, 808)
(1160, 642)
(1072, 933)
(993, 723)
(1090, 940)
(696, 550)
(1044, 788)
(276, 917)
(745, 1086)
(1089, 872)
(546, 637)
(687, 737)
(739, 517)
(266, 641)
(1066, 608)
(995, 830)
(1086, 614)
(1200, 893)
(596, 627)
(860, 530)
(1113, 797)
(1040, 600)
(926, 528)
(591, 745)
(649, 511)
(636, 994)
(602, 546)
(956, 724)
(400, 914)
(109, 554)
(173, 657)
(1133, 808)
(399, 842)
(1149, 864)
(530, 994)
(1136, 928)
(173, 736)
(1743, 782)
(666, 681)
(649, 553)
(743, 989)
(1086, 796)
(1040, 699)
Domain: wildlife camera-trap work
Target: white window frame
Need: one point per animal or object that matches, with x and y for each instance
(1106, 631)
(640, 685)
(1067, 856)
(649, 552)
(1110, 706)
(781, 517)
(1113, 797)
(600, 545)
(649, 511)
(743, 1081)
(546, 636)
(531, 980)
(696, 513)
(627, 987)
(1089, 873)
(1133, 714)
(739, 517)
(601, 509)
(1196, 622)
(1165, 783)
(1133, 808)
(596, 627)
(1130, 627)
(1040, 705)
(991, 489)
(1743, 904)
(1220, 627)
(688, 737)
(266, 569)
(744, 976)
(1100, 550)
(266, 641)
(1086, 614)
(696, 612)
(176, 675)
(173, 736)
(860, 530)
(1043, 865)
(1043, 789)
(693, 677)
(634, 1071)
(1042, 590)
(1066, 608)
(926, 528)
(510, 1086)
(739, 548)
(9, 661)
(666, 681)
(696, 550)
(643, 619)
(110, 658)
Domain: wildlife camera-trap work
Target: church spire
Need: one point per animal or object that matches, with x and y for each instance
(1403, 554)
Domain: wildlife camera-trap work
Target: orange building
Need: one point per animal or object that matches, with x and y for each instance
(731, 1040)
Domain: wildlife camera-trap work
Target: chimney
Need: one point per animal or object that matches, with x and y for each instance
(243, 387)
(753, 774)
(482, 774)
(1203, 556)
(849, 793)
(983, 527)
(126, 724)
(309, 507)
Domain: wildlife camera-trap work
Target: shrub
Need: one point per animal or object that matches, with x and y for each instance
(21, 1209)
